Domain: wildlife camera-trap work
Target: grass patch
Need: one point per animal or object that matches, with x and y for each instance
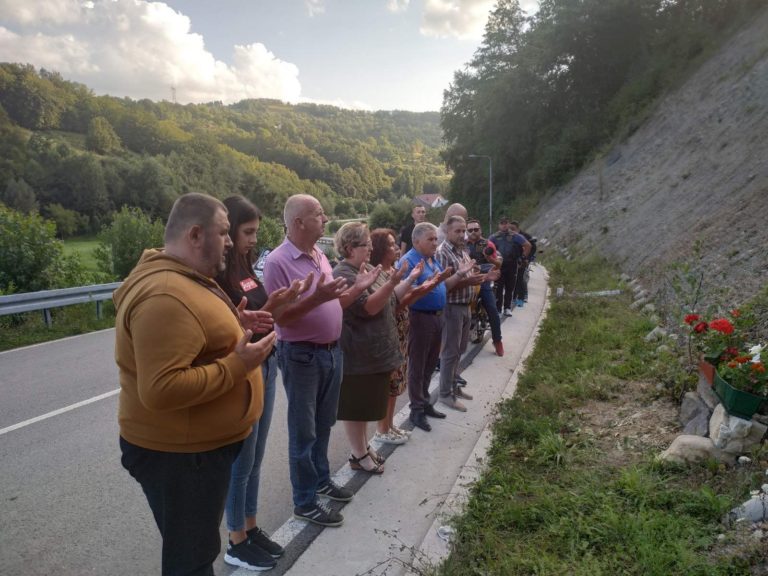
(29, 328)
(86, 247)
(562, 497)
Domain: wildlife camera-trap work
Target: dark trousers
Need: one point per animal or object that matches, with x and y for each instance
(505, 285)
(424, 335)
(186, 493)
(521, 284)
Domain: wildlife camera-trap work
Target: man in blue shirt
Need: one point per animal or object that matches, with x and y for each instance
(426, 321)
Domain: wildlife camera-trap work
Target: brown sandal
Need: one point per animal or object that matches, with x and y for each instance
(375, 456)
(354, 463)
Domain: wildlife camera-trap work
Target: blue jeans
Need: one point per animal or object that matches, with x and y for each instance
(312, 379)
(488, 300)
(243, 495)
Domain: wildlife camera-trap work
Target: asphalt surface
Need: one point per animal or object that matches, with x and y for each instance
(67, 507)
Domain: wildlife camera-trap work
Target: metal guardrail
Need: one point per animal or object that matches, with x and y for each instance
(47, 299)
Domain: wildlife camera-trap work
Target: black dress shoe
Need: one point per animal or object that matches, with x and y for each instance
(460, 381)
(430, 411)
(420, 421)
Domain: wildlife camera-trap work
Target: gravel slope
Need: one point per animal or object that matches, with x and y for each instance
(690, 186)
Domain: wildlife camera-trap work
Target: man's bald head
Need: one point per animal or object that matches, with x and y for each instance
(297, 206)
(455, 210)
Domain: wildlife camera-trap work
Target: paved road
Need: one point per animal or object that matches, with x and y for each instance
(67, 507)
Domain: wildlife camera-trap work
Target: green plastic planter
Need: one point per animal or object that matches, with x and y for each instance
(737, 402)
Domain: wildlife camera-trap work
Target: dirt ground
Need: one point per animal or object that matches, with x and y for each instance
(631, 423)
(635, 421)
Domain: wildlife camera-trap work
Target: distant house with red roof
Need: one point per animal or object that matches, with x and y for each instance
(430, 200)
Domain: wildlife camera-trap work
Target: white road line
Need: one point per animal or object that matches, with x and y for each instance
(57, 412)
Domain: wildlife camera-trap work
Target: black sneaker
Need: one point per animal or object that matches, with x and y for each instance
(319, 514)
(257, 537)
(335, 492)
(248, 557)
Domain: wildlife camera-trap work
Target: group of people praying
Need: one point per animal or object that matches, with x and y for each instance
(200, 339)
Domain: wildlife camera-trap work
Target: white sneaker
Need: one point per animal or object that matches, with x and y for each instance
(507, 312)
(400, 432)
(389, 438)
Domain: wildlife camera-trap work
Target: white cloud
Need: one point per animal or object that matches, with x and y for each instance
(464, 19)
(42, 11)
(141, 49)
(314, 7)
(397, 5)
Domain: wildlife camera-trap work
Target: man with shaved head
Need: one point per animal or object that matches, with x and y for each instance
(453, 210)
(190, 381)
(309, 356)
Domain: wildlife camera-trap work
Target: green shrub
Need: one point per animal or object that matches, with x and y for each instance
(31, 258)
(121, 244)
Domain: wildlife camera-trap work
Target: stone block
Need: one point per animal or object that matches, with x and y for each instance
(688, 448)
(706, 393)
(691, 406)
(698, 426)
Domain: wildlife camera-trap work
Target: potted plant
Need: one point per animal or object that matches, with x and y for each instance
(741, 381)
(709, 339)
(733, 367)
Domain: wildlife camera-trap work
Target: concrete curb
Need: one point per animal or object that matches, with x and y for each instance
(436, 545)
(391, 524)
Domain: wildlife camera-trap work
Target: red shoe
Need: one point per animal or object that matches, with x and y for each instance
(499, 347)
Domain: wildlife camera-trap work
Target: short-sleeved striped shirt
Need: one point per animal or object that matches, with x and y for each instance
(448, 255)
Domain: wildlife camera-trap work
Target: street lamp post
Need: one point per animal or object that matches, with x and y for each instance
(490, 190)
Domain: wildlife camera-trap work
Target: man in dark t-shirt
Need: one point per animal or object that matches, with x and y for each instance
(419, 214)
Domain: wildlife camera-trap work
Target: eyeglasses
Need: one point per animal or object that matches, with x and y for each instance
(473, 229)
(362, 245)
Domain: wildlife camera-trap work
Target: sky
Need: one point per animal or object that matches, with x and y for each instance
(363, 54)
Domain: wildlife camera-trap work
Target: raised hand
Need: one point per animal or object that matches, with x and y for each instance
(493, 275)
(398, 273)
(257, 321)
(365, 278)
(330, 290)
(465, 265)
(416, 272)
(253, 354)
(445, 274)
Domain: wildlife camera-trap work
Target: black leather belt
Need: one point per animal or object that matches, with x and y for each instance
(315, 345)
(430, 312)
(459, 303)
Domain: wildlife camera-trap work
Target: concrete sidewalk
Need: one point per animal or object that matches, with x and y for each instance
(395, 520)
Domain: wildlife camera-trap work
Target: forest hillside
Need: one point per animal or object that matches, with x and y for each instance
(687, 192)
(77, 157)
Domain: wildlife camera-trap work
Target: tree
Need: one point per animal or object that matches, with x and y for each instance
(31, 258)
(68, 222)
(270, 233)
(101, 137)
(121, 244)
(19, 196)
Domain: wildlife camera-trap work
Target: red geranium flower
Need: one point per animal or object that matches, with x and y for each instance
(691, 318)
(735, 313)
(700, 327)
(722, 325)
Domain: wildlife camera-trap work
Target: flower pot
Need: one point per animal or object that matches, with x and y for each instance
(706, 369)
(737, 402)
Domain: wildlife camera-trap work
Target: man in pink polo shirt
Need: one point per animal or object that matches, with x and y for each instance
(309, 356)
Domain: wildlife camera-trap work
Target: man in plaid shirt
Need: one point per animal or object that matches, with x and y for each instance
(452, 252)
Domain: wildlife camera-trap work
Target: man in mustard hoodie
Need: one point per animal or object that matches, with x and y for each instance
(190, 383)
